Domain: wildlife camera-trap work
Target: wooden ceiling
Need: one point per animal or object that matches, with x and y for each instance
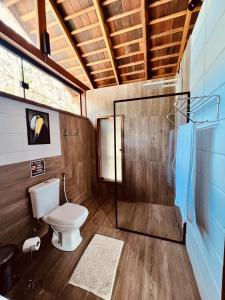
(111, 42)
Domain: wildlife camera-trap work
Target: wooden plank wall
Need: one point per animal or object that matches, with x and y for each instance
(146, 141)
(16, 223)
(100, 103)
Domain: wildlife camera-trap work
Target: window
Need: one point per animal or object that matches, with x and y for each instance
(106, 161)
(43, 88)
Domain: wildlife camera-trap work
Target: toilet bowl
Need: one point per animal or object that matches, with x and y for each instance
(65, 219)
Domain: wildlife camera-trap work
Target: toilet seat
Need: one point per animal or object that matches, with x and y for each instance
(67, 215)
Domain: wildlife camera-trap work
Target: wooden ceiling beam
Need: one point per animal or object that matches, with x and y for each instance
(79, 13)
(132, 73)
(173, 44)
(123, 15)
(85, 28)
(95, 40)
(107, 2)
(102, 61)
(168, 17)
(104, 78)
(140, 62)
(101, 71)
(144, 17)
(164, 67)
(164, 75)
(40, 22)
(50, 25)
(129, 54)
(62, 61)
(105, 34)
(60, 50)
(133, 80)
(56, 38)
(94, 52)
(165, 57)
(169, 32)
(184, 36)
(125, 30)
(69, 38)
(106, 85)
(128, 43)
(159, 2)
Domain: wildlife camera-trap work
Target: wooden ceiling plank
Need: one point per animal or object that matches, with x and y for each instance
(107, 2)
(123, 15)
(98, 62)
(133, 80)
(60, 50)
(165, 57)
(104, 78)
(73, 68)
(79, 13)
(56, 38)
(184, 36)
(131, 28)
(164, 67)
(59, 1)
(173, 44)
(101, 71)
(66, 60)
(131, 64)
(159, 2)
(168, 17)
(144, 17)
(94, 52)
(105, 34)
(69, 38)
(128, 43)
(164, 75)
(129, 54)
(95, 40)
(169, 32)
(133, 72)
(85, 28)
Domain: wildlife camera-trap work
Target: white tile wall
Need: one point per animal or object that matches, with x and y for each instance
(206, 236)
(14, 146)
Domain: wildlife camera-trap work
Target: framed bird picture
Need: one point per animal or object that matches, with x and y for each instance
(38, 130)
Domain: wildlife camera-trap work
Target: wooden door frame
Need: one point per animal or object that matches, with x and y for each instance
(188, 94)
(98, 148)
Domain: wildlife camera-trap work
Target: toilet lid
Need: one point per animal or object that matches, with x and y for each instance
(68, 214)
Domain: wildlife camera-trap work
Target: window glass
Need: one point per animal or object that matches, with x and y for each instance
(21, 17)
(45, 89)
(10, 73)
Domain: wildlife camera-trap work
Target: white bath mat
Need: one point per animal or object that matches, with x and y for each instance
(96, 270)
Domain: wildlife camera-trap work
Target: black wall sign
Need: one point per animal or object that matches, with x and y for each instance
(37, 167)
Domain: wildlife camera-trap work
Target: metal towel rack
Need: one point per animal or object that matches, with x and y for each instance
(189, 107)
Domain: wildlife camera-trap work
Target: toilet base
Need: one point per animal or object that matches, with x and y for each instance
(66, 241)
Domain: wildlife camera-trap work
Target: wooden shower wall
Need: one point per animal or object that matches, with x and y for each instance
(100, 103)
(16, 222)
(146, 142)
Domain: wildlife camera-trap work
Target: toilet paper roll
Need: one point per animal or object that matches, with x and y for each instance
(32, 244)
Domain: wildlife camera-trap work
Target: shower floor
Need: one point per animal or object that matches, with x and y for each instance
(152, 219)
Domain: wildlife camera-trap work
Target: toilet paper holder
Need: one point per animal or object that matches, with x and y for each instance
(33, 285)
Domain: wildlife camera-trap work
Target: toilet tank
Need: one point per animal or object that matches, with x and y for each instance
(44, 197)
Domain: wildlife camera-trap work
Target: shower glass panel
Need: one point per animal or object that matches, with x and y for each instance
(146, 197)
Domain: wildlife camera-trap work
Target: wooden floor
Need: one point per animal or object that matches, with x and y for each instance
(149, 268)
(152, 219)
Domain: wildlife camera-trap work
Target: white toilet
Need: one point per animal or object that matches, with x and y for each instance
(65, 219)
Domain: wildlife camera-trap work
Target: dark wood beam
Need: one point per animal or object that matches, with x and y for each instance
(144, 17)
(41, 21)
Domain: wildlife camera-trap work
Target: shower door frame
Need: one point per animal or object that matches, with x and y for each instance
(188, 94)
